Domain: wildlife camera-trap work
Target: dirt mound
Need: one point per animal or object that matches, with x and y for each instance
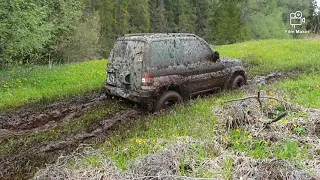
(263, 80)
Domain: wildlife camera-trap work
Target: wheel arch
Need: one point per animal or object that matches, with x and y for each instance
(241, 73)
(175, 87)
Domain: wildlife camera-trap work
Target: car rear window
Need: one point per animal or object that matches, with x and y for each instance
(125, 51)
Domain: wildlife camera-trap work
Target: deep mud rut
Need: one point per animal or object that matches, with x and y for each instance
(18, 165)
(45, 117)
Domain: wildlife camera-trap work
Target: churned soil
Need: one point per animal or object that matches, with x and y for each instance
(22, 163)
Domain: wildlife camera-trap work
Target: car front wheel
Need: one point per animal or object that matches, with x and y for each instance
(167, 100)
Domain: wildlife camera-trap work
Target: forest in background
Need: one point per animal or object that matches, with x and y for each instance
(59, 31)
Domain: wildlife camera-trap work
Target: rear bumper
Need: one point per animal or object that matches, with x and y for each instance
(143, 97)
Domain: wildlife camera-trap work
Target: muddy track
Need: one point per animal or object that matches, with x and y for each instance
(41, 118)
(22, 163)
(17, 166)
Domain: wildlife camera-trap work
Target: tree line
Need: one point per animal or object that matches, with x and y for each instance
(33, 31)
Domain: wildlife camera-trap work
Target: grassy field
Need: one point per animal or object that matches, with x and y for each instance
(263, 57)
(196, 120)
(22, 85)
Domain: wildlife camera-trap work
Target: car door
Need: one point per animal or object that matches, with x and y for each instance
(200, 69)
(214, 70)
(194, 65)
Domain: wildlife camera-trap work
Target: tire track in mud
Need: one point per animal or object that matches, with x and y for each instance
(16, 165)
(48, 116)
(22, 163)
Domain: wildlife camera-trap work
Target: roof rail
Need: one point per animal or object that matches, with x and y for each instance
(160, 34)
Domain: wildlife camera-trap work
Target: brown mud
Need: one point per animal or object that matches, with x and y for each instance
(45, 117)
(22, 163)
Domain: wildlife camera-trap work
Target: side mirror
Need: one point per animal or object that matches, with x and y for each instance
(215, 56)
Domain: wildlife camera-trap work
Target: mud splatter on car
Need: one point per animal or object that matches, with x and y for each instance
(159, 70)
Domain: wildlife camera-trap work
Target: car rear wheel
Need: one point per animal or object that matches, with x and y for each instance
(167, 100)
(237, 82)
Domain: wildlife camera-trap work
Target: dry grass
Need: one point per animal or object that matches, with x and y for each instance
(167, 164)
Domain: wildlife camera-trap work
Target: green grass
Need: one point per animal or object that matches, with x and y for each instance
(265, 56)
(261, 149)
(195, 119)
(21, 85)
(304, 90)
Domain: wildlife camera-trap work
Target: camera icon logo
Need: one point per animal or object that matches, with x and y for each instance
(296, 19)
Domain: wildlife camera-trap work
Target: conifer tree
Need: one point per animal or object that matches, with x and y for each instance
(139, 20)
(202, 9)
(122, 17)
(108, 36)
(158, 18)
(173, 8)
(187, 17)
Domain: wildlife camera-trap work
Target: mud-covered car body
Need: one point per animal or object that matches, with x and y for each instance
(143, 66)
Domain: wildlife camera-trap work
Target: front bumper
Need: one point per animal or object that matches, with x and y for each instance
(143, 97)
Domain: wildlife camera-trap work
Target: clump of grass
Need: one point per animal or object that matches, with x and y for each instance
(262, 149)
(23, 85)
(266, 56)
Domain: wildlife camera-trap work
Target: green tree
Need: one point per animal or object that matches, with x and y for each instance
(24, 31)
(122, 17)
(173, 8)
(187, 17)
(108, 22)
(313, 18)
(158, 18)
(139, 20)
(227, 25)
(202, 9)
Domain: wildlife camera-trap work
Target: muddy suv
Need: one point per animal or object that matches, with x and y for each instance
(159, 70)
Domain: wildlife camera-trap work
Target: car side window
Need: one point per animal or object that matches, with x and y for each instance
(163, 53)
(206, 53)
(191, 49)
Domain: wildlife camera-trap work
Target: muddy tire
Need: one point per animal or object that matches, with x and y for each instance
(237, 82)
(167, 100)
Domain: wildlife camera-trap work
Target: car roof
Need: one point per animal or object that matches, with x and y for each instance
(148, 37)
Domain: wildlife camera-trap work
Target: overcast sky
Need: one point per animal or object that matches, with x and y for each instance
(318, 3)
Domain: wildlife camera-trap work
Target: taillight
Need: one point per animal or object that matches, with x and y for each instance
(147, 79)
